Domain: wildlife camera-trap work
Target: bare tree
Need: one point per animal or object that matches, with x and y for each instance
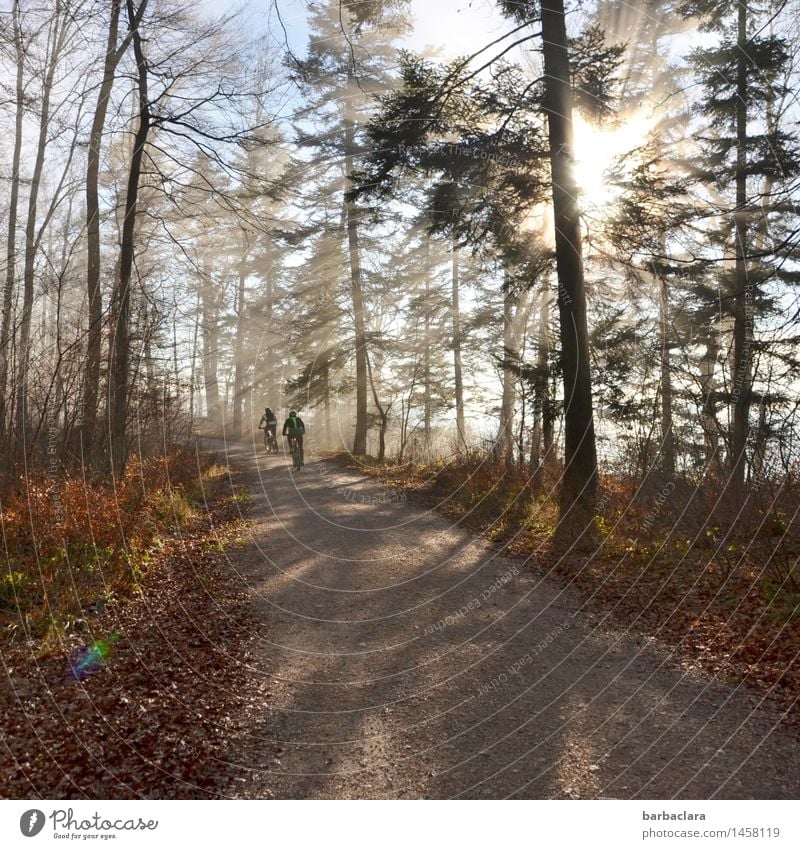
(119, 373)
(114, 52)
(11, 244)
(58, 31)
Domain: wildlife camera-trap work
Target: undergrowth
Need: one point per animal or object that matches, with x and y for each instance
(71, 545)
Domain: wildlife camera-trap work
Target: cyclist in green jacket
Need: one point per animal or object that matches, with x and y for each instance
(293, 430)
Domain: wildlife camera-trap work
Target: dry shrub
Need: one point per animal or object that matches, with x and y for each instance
(73, 543)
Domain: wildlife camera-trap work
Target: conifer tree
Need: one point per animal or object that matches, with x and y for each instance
(749, 160)
(349, 59)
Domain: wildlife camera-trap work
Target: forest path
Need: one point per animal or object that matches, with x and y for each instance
(401, 656)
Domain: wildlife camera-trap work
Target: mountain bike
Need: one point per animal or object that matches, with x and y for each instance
(296, 449)
(270, 442)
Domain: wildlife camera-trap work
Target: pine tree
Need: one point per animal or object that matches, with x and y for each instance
(349, 59)
(486, 144)
(749, 159)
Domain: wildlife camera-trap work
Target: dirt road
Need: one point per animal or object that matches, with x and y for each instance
(400, 656)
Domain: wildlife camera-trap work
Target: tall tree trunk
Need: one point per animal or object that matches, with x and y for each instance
(356, 287)
(147, 351)
(193, 369)
(383, 413)
(238, 367)
(61, 401)
(549, 427)
(248, 409)
(426, 347)
(120, 359)
(505, 434)
(579, 483)
(210, 320)
(272, 385)
(91, 382)
(523, 410)
(11, 244)
(743, 300)
(709, 404)
(541, 450)
(667, 435)
(665, 382)
(760, 448)
(458, 379)
(56, 40)
(326, 398)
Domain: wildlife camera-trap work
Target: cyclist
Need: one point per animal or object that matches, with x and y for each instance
(293, 430)
(269, 424)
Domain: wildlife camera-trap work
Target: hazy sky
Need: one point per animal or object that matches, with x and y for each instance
(451, 26)
(455, 26)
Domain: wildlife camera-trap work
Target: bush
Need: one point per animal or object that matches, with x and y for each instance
(71, 541)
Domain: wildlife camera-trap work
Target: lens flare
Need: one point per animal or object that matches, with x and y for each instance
(88, 660)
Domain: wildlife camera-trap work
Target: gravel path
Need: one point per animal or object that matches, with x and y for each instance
(403, 657)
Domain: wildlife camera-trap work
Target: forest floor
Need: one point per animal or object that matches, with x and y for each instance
(132, 699)
(349, 642)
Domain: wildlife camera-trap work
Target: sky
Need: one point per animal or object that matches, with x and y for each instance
(454, 26)
(451, 27)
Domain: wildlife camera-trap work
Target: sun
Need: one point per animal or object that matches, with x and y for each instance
(597, 150)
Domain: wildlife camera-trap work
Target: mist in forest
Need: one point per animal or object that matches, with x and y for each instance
(208, 215)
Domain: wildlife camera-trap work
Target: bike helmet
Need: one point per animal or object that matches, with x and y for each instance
(292, 413)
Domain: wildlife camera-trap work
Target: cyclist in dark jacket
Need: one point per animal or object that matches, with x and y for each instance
(293, 430)
(269, 424)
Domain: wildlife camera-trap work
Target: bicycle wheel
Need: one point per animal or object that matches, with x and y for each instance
(296, 460)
